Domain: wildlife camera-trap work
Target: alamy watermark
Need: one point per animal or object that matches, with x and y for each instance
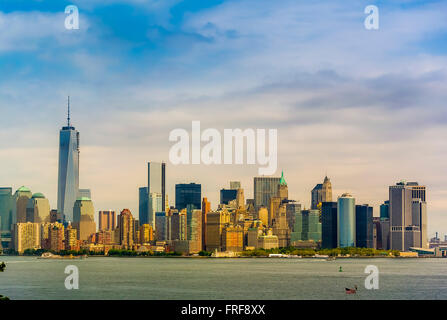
(72, 280)
(72, 18)
(188, 148)
(372, 280)
(372, 20)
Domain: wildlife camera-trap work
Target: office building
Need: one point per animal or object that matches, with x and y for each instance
(188, 194)
(7, 208)
(83, 218)
(106, 220)
(156, 181)
(326, 190)
(68, 173)
(329, 226)
(234, 185)
(126, 229)
(206, 207)
(143, 205)
(233, 238)
(419, 218)
(346, 221)
(38, 209)
(26, 236)
(71, 239)
(264, 189)
(292, 210)
(155, 204)
(146, 233)
(214, 228)
(307, 227)
(385, 210)
(194, 229)
(161, 226)
(21, 197)
(227, 195)
(364, 226)
(316, 196)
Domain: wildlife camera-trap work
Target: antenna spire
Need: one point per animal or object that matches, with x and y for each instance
(68, 114)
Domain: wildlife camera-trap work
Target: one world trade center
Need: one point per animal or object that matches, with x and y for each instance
(68, 175)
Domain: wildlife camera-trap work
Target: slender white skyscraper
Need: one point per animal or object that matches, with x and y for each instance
(68, 175)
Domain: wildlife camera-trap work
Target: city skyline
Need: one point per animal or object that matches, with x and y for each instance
(367, 108)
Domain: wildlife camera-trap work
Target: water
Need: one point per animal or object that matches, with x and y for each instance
(183, 278)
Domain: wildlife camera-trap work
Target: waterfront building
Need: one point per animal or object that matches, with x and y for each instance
(364, 226)
(268, 241)
(185, 194)
(206, 207)
(329, 227)
(407, 216)
(56, 237)
(7, 208)
(106, 220)
(146, 233)
(156, 183)
(264, 189)
(38, 209)
(214, 228)
(177, 225)
(143, 205)
(307, 227)
(233, 238)
(346, 221)
(83, 218)
(71, 239)
(26, 236)
(68, 173)
(21, 197)
(126, 229)
(194, 229)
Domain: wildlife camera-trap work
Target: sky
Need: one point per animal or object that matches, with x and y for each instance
(365, 107)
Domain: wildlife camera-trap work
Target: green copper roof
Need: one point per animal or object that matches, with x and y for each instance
(282, 181)
(83, 199)
(23, 189)
(38, 195)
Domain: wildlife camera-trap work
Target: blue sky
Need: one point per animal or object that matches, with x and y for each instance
(367, 107)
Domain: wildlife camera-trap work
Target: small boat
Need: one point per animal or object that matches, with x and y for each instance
(351, 290)
(330, 258)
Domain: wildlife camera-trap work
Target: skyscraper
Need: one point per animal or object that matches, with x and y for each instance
(407, 216)
(346, 221)
(188, 194)
(316, 196)
(83, 218)
(143, 205)
(326, 190)
(38, 209)
(106, 220)
(156, 180)
(329, 225)
(68, 174)
(155, 204)
(364, 226)
(226, 195)
(126, 229)
(7, 207)
(264, 189)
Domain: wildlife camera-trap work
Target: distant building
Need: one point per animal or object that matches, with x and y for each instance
(364, 226)
(235, 185)
(346, 221)
(292, 210)
(177, 225)
(71, 239)
(161, 226)
(106, 220)
(7, 208)
(322, 192)
(146, 233)
(227, 195)
(194, 229)
(143, 205)
(206, 207)
(329, 225)
(156, 182)
(126, 229)
(307, 227)
(188, 194)
(21, 197)
(38, 209)
(385, 210)
(264, 189)
(216, 221)
(83, 218)
(233, 238)
(26, 236)
(68, 174)
(155, 205)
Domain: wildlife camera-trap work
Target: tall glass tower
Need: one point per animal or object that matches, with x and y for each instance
(68, 176)
(346, 221)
